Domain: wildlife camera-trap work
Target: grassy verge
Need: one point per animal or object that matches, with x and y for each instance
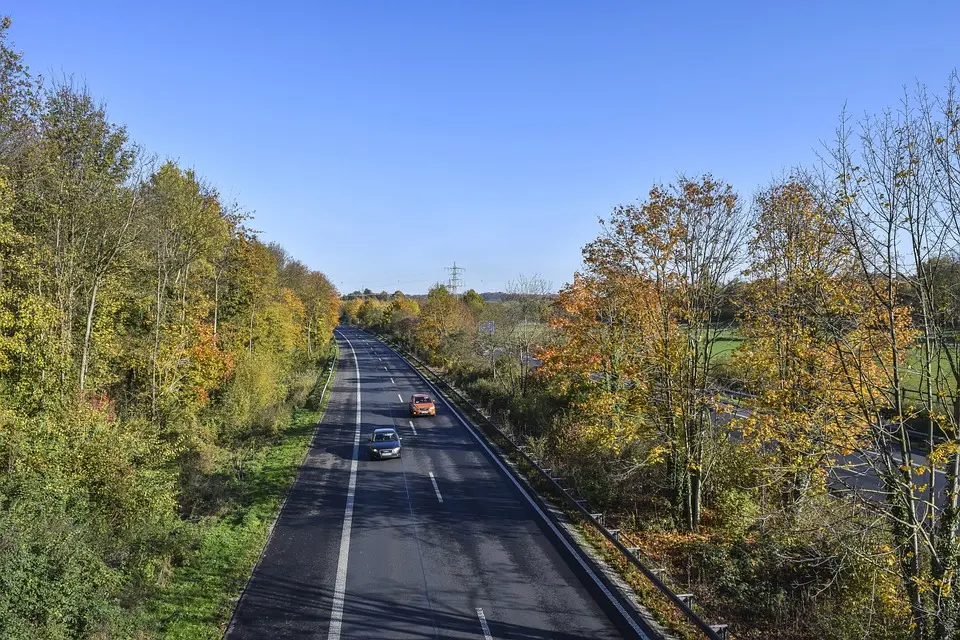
(197, 601)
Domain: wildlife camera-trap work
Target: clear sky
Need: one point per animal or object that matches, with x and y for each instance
(381, 141)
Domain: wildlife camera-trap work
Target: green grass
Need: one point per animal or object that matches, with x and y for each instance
(731, 339)
(198, 599)
(941, 371)
(727, 342)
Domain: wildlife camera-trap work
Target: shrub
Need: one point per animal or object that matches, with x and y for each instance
(249, 404)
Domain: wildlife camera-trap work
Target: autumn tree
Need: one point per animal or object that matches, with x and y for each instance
(187, 233)
(402, 316)
(602, 361)
(892, 182)
(82, 206)
(474, 303)
(350, 309)
(19, 100)
(685, 240)
(801, 288)
(441, 316)
(371, 312)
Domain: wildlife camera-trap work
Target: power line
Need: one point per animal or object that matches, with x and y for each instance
(454, 282)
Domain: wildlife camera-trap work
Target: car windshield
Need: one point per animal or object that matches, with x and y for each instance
(384, 437)
(422, 399)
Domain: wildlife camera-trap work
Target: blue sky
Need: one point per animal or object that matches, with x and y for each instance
(381, 141)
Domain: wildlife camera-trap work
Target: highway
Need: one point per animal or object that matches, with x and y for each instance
(440, 543)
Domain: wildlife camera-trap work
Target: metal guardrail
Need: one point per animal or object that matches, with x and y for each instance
(682, 602)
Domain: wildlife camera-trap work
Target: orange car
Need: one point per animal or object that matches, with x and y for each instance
(422, 405)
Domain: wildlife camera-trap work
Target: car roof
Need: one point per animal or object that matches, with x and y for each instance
(421, 395)
(384, 430)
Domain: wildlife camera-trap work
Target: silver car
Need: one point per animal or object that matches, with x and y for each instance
(384, 443)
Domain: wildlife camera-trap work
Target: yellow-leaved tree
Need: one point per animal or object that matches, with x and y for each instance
(671, 256)
(441, 316)
(803, 289)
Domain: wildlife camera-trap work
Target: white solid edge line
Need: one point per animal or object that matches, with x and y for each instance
(340, 586)
(276, 518)
(483, 625)
(566, 543)
(413, 427)
(436, 489)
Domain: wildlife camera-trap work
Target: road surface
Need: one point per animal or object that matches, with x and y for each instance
(857, 473)
(437, 544)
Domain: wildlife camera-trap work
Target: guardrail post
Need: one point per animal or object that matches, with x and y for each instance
(721, 630)
(615, 533)
(598, 517)
(686, 598)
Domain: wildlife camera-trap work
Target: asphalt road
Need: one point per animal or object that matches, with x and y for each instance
(857, 473)
(437, 544)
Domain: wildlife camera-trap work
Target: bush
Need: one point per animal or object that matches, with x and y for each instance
(87, 518)
(251, 399)
(735, 511)
(300, 387)
(55, 581)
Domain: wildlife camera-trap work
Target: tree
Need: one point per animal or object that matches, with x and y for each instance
(350, 309)
(319, 296)
(802, 286)
(19, 100)
(474, 303)
(26, 316)
(602, 363)
(686, 240)
(892, 185)
(441, 316)
(371, 312)
(82, 205)
(402, 316)
(188, 233)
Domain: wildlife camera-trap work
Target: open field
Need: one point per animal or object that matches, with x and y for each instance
(728, 342)
(724, 351)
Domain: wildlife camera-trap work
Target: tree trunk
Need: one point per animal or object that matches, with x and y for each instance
(158, 324)
(250, 343)
(216, 302)
(86, 336)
